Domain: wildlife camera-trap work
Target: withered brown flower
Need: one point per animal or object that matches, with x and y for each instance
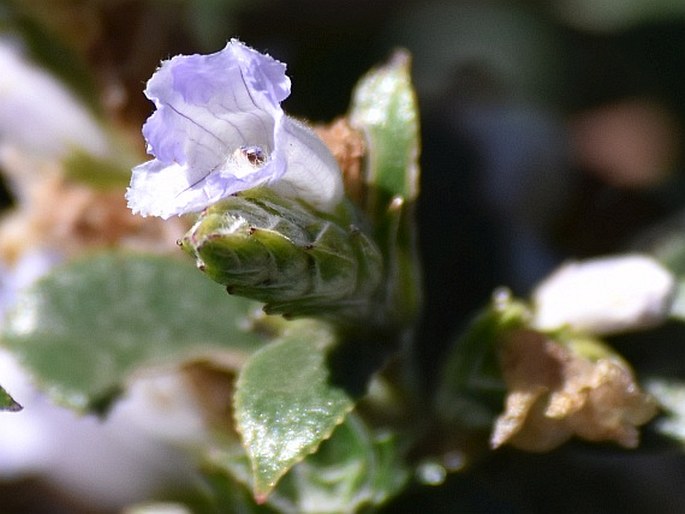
(556, 392)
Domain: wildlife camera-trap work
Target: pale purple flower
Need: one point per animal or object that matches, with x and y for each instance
(39, 115)
(219, 129)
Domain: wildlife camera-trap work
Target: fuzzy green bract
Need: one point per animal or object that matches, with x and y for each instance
(287, 255)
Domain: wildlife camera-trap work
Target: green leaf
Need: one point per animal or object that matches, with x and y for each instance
(89, 324)
(285, 405)
(384, 108)
(356, 467)
(7, 403)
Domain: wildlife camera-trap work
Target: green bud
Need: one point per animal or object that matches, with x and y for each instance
(296, 260)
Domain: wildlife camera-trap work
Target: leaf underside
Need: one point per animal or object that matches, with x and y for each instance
(89, 324)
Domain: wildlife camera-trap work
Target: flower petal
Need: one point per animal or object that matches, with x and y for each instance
(219, 129)
(311, 173)
(164, 190)
(207, 106)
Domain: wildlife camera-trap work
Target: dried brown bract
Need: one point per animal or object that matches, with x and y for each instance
(348, 147)
(556, 393)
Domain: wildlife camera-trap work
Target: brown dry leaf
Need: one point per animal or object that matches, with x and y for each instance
(555, 393)
(58, 213)
(213, 385)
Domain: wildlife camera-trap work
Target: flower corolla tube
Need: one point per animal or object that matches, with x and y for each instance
(219, 129)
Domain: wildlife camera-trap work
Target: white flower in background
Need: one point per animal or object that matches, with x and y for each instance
(31, 266)
(137, 451)
(39, 115)
(219, 129)
(605, 295)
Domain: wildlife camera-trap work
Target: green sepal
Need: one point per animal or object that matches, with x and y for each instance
(296, 260)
